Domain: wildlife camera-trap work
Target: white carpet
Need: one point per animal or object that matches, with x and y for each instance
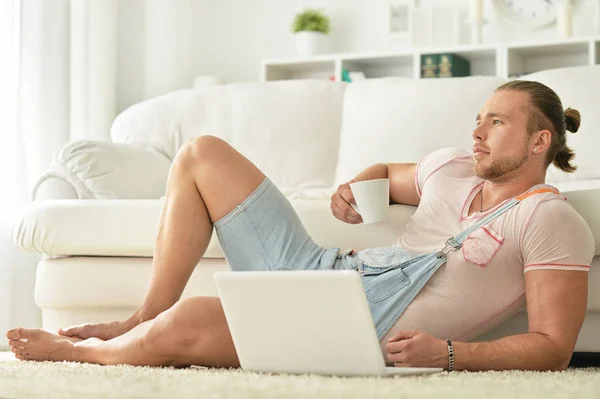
(73, 380)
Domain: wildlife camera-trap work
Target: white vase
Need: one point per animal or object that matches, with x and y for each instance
(310, 43)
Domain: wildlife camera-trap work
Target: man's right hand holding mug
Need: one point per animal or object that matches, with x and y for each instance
(341, 204)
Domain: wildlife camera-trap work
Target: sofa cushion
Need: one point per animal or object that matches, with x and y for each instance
(104, 170)
(165, 123)
(129, 227)
(401, 120)
(289, 129)
(577, 88)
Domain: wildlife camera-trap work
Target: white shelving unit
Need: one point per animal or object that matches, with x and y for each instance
(502, 60)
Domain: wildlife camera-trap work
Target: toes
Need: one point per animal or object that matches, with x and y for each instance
(73, 331)
(15, 334)
(23, 356)
(17, 344)
(20, 351)
(67, 331)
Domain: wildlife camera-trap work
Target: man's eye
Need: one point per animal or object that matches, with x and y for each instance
(496, 121)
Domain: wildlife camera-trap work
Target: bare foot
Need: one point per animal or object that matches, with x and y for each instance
(104, 331)
(36, 344)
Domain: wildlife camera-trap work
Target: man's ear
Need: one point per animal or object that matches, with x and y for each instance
(542, 141)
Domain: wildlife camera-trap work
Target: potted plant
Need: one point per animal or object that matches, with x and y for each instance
(311, 28)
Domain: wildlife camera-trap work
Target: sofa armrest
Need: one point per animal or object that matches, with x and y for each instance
(88, 169)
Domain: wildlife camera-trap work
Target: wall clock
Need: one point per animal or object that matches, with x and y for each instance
(532, 14)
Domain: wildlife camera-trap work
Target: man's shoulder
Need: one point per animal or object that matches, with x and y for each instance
(550, 206)
(453, 160)
(553, 211)
(554, 233)
(446, 154)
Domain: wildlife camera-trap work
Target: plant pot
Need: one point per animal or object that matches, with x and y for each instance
(310, 43)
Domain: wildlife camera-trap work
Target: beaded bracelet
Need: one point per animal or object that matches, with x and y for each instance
(450, 355)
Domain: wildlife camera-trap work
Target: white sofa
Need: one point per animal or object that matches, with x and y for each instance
(95, 212)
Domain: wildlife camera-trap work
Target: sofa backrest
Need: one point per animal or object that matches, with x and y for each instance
(289, 129)
(401, 119)
(313, 133)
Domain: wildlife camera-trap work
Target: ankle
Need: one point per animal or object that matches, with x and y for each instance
(138, 317)
(141, 315)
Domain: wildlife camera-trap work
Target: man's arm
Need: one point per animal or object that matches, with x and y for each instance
(402, 189)
(402, 181)
(556, 306)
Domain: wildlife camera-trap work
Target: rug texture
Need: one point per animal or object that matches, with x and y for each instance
(72, 380)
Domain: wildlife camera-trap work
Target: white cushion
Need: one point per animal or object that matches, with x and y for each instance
(401, 120)
(129, 227)
(289, 129)
(577, 88)
(103, 170)
(167, 122)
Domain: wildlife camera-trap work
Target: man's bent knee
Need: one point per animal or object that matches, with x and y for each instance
(201, 149)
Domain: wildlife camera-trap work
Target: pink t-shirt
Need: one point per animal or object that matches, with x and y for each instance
(482, 284)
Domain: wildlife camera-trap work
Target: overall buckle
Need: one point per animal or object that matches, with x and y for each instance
(451, 245)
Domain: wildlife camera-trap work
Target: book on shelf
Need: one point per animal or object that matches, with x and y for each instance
(452, 66)
(429, 66)
(444, 65)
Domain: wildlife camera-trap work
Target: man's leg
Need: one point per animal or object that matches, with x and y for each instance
(192, 332)
(207, 180)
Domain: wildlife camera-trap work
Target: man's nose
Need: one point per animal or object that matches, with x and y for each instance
(479, 133)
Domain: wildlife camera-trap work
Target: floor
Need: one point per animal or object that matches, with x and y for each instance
(73, 380)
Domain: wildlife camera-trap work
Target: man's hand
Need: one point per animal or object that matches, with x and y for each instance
(341, 204)
(417, 349)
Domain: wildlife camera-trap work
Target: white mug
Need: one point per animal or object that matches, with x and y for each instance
(372, 199)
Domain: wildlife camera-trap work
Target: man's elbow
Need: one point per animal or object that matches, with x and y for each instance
(562, 366)
(557, 354)
(564, 362)
(562, 357)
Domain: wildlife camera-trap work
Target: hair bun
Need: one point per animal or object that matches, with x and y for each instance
(572, 120)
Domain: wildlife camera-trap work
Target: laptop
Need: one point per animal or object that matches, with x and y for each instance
(304, 322)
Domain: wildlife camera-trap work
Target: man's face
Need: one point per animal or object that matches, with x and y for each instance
(500, 137)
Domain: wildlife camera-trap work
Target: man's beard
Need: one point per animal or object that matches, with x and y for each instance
(501, 166)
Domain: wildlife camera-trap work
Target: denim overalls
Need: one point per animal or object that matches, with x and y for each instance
(392, 277)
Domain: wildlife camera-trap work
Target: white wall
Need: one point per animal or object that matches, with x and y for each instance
(157, 47)
(229, 38)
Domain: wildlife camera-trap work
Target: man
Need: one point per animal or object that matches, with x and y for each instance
(536, 253)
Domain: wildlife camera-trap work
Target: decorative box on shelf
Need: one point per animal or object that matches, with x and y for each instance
(504, 60)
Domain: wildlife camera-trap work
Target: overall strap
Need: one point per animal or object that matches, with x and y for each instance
(457, 240)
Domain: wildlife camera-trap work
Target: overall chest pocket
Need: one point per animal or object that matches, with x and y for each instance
(482, 246)
(382, 283)
(380, 271)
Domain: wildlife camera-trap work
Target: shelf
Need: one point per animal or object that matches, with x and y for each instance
(529, 58)
(488, 60)
(381, 66)
(484, 61)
